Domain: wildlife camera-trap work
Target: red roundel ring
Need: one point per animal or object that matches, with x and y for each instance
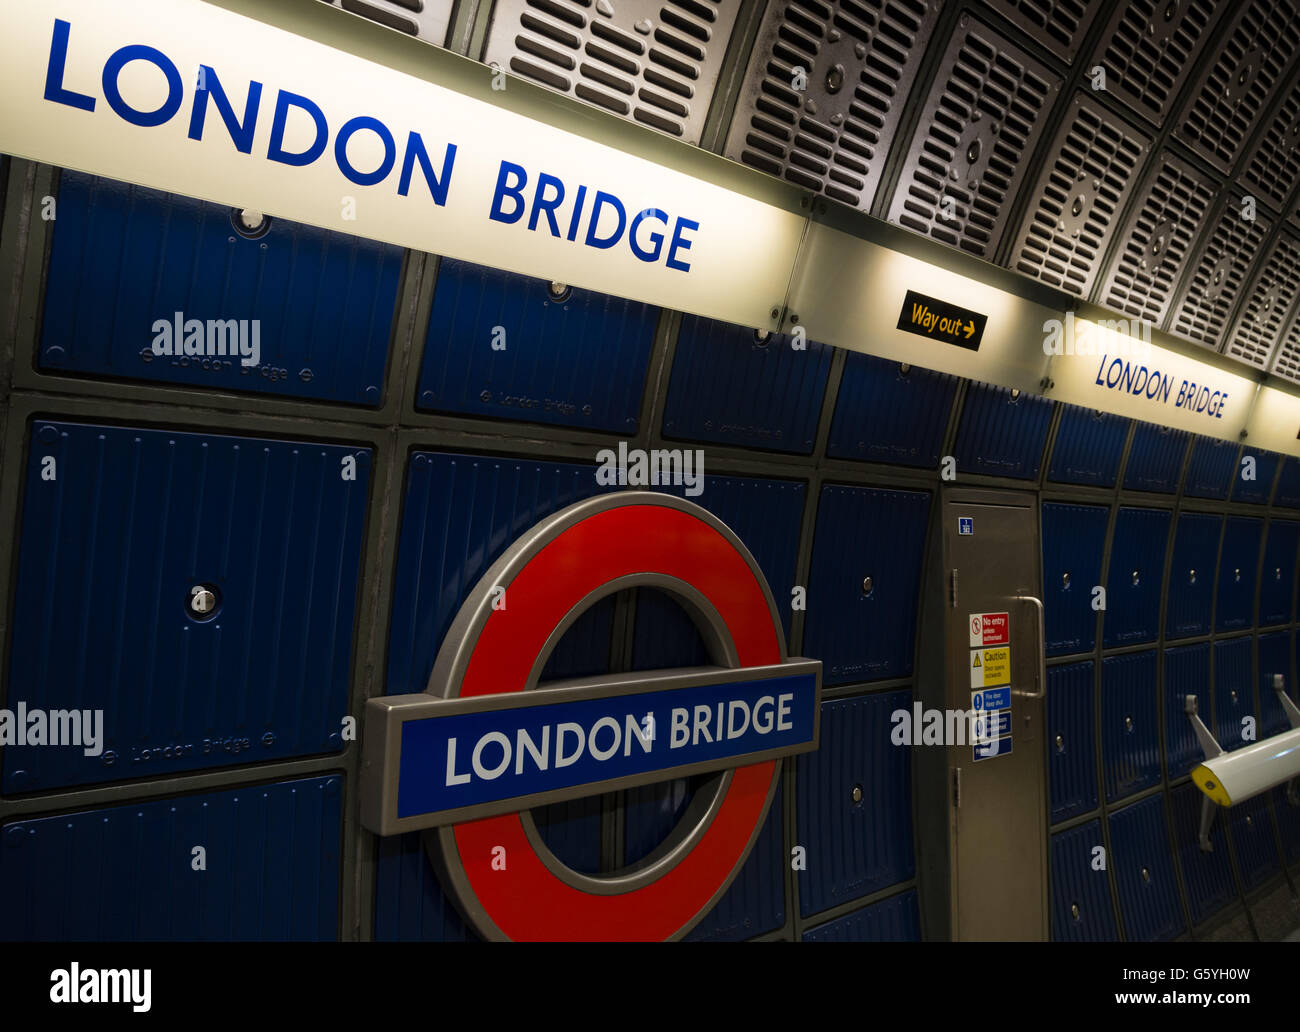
(565, 561)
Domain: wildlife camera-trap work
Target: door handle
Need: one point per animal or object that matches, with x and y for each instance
(1040, 668)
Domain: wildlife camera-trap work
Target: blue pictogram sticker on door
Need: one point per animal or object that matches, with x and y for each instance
(965, 524)
(991, 723)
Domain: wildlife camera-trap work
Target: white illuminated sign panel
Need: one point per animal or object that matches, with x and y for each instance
(187, 97)
(1115, 367)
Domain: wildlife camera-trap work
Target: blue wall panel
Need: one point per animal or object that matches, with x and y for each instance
(124, 872)
(1211, 468)
(459, 513)
(1208, 876)
(1072, 764)
(571, 830)
(755, 902)
(1288, 484)
(861, 532)
(1144, 872)
(109, 551)
(1233, 698)
(854, 849)
(1155, 458)
(1292, 688)
(895, 919)
(410, 905)
(1191, 575)
(1074, 538)
(1288, 824)
(665, 636)
(650, 812)
(1089, 446)
(1274, 658)
(1130, 738)
(1187, 672)
(575, 362)
(766, 515)
(1238, 563)
(1081, 906)
(1251, 827)
(1000, 435)
(883, 414)
(125, 256)
(1258, 490)
(729, 386)
(1277, 576)
(1137, 564)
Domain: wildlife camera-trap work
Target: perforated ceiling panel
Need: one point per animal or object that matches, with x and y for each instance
(1090, 171)
(1167, 217)
(859, 60)
(1148, 49)
(1287, 363)
(1238, 78)
(1221, 269)
(1059, 25)
(977, 132)
(653, 61)
(424, 19)
(1272, 169)
(1263, 317)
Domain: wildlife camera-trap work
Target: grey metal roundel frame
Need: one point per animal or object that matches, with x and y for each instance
(462, 638)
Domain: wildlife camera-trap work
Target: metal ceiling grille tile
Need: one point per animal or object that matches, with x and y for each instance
(1252, 57)
(1273, 166)
(859, 59)
(1222, 266)
(1167, 217)
(1263, 315)
(1059, 25)
(423, 19)
(1091, 170)
(1148, 49)
(651, 61)
(1287, 363)
(981, 121)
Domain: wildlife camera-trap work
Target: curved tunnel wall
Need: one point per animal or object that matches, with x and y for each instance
(333, 587)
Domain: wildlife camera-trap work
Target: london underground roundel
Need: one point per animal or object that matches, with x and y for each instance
(467, 759)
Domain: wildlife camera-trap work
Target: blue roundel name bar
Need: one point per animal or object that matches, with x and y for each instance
(450, 760)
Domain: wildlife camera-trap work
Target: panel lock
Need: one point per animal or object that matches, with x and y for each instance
(202, 601)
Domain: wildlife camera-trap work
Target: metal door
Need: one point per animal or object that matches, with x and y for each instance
(993, 649)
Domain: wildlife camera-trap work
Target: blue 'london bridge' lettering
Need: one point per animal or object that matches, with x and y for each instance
(600, 224)
(1121, 374)
(477, 757)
